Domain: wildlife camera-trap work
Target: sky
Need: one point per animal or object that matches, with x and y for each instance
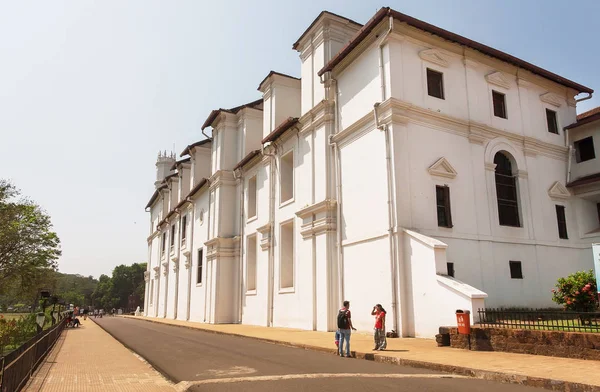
(90, 91)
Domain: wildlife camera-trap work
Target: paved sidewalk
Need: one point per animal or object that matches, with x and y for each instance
(560, 374)
(89, 359)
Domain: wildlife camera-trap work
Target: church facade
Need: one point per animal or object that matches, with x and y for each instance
(407, 166)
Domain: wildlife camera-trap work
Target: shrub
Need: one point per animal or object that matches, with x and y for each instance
(577, 292)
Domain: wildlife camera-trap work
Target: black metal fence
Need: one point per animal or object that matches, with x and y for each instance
(540, 319)
(18, 366)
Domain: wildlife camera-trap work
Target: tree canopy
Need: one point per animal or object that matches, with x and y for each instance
(114, 292)
(28, 246)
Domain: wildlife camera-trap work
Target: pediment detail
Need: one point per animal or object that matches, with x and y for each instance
(434, 56)
(499, 79)
(558, 191)
(442, 168)
(551, 98)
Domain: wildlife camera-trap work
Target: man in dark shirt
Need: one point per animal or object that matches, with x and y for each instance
(345, 328)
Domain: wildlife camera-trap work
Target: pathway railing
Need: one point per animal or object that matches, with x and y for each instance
(17, 367)
(550, 320)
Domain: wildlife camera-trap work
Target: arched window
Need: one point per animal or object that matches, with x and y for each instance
(506, 191)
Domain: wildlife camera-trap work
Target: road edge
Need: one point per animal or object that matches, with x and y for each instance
(157, 369)
(509, 378)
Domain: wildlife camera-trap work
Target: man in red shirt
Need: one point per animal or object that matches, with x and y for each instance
(345, 328)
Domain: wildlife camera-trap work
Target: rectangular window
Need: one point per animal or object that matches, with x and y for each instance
(286, 267)
(251, 263)
(499, 100)
(163, 243)
(172, 235)
(200, 264)
(286, 177)
(584, 149)
(551, 120)
(183, 228)
(515, 270)
(252, 197)
(435, 84)
(450, 268)
(562, 222)
(442, 196)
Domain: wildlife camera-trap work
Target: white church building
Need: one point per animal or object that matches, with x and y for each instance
(407, 166)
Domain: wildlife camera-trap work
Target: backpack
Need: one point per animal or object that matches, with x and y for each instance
(342, 319)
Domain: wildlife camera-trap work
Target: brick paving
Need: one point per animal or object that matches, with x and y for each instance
(89, 359)
(534, 370)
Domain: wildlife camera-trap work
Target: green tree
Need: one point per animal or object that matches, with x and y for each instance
(28, 246)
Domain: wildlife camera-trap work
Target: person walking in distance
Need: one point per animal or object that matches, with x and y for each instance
(344, 321)
(379, 335)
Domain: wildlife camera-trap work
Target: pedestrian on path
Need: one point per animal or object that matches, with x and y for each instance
(344, 320)
(379, 330)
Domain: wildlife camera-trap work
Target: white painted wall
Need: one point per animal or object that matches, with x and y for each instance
(461, 128)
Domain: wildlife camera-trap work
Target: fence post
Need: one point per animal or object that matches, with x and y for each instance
(3, 359)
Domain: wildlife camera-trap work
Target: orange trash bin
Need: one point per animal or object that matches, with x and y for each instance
(463, 321)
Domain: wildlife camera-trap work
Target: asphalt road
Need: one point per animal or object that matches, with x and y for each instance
(210, 362)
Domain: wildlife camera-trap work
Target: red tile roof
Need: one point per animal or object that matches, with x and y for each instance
(588, 113)
(385, 12)
(280, 130)
(275, 73)
(295, 46)
(213, 114)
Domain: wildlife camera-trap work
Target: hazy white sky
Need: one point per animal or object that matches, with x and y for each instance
(91, 90)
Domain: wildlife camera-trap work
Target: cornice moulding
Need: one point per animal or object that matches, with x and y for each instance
(220, 247)
(442, 168)
(326, 205)
(265, 232)
(434, 56)
(499, 79)
(558, 191)
(551, 99)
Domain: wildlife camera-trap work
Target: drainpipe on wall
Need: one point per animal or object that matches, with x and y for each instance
(338, 187)
(237, 174)
(392, 228)
(271, 289)
(208, 236)
(205, 135)
(584, 98)
(190, 269)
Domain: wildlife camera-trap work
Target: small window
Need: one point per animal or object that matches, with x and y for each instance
(183, 227)
(435, 84)
(450, 268)
(286, 266)
(163, 243)
(251, 263)
(562, 222)
(584, 149)
(499, 104)
(286, 177)
(252, 197)
(515, 270)
(551, 120)
(444, 216)
(200, 264)
(172, 235)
